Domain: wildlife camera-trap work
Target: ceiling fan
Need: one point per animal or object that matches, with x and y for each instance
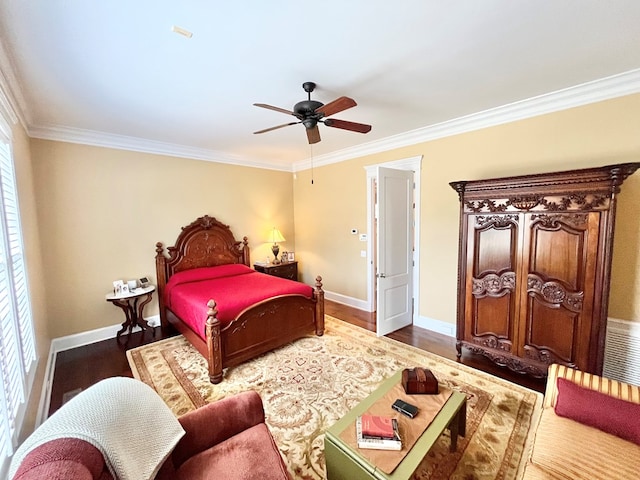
(310, 112)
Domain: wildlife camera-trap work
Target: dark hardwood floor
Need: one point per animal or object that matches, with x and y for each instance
(81, 367)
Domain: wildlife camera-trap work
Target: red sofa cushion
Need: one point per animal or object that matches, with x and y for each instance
(63, 459)
(249, 454)
(604, 412)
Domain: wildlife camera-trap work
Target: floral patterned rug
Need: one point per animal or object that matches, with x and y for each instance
(307, 385)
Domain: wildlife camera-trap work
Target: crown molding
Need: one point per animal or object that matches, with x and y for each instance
(135, 144)
(626, 83)
(619, 85)
(10, 109)
(11, 97)
(13, 103)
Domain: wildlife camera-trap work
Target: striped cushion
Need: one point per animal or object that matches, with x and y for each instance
(567, 449)
(614, 388)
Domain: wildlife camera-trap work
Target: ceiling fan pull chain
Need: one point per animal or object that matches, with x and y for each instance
(311, 148)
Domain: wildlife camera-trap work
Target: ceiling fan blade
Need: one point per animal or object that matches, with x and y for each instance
(343, 124)
(313, 134)
(277, 109)
(275, 128)
(338, 105)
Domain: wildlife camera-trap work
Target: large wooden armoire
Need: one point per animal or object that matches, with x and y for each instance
(534, 267)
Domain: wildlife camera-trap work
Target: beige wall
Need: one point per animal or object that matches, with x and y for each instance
(33, 260)
(325, 213)
(101, 212)
(592, 135)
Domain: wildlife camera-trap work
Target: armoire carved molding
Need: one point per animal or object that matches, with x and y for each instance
(534, 267)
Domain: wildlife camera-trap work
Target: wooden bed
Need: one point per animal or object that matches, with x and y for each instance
(261, 327)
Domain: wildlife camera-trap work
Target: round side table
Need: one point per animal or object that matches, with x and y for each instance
(132, 304)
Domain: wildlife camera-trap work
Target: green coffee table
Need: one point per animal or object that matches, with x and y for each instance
(345, 463)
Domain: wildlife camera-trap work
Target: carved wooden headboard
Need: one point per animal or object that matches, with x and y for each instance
(206, 242)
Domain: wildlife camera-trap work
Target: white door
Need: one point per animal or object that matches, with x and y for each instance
(394, 264)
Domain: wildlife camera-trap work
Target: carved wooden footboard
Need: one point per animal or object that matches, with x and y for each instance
(260, 328)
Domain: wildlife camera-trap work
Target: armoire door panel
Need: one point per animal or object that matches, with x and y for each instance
(552, 334)
(558, 247)
(490, 325)
(495, 244)
(559, 271)
(490, 300)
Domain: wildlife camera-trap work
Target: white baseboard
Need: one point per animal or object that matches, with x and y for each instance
(349, 301)
(438, 326)
(45, 393)
(68, 342)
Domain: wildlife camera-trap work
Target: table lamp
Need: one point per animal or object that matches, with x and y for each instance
(276, 237)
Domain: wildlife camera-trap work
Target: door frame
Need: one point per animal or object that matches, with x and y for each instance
(414, 164)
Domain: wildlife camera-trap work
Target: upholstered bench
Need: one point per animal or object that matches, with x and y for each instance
(589, 429)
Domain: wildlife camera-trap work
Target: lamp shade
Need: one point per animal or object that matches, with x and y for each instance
(276, 236)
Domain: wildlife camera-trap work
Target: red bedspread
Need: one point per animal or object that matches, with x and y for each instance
(233, 287)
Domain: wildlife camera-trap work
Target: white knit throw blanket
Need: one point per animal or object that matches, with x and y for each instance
(123, 418)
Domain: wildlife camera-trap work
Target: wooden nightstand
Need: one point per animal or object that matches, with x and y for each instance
(283, 270)
(132, 306)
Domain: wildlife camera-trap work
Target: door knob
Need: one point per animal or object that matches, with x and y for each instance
(381, 275)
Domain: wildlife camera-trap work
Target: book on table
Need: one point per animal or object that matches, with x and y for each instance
(379, 426)
(379, 433)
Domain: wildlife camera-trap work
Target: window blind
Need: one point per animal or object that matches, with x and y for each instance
(17, 344)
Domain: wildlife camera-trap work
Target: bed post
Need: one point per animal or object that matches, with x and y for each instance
(214, 353)
(319, 294)
(161, 280)
(245, 252)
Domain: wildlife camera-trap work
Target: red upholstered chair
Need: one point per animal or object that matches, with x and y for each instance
(226, 439)
(64, 458)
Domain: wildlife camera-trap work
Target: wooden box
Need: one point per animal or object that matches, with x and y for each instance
(419, 381)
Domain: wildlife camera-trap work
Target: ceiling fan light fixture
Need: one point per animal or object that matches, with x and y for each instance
(309, 122)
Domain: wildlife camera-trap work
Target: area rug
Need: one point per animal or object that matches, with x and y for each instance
(307, 385)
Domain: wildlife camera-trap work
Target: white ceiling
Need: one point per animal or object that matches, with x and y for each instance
(113, 73)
